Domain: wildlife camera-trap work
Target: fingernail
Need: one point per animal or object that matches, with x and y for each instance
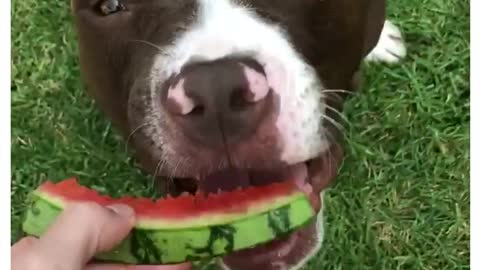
(124, 211)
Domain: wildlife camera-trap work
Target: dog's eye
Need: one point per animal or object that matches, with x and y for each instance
(108, 7)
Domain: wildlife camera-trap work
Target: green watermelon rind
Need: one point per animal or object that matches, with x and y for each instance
(152, 246)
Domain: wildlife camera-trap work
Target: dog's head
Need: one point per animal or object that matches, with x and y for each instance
(228, 93)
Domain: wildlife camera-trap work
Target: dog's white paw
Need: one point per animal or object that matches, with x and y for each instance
(390, 47)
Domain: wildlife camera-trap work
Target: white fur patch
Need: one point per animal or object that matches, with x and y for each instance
(223, 28)
(391, 46)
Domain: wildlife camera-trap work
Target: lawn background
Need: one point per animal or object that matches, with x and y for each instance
(402, 199)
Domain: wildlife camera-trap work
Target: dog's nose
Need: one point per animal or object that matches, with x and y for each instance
(219, 102)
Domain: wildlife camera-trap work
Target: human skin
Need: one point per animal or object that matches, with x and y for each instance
(97, 229)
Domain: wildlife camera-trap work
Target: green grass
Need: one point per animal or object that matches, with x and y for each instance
(402, 200)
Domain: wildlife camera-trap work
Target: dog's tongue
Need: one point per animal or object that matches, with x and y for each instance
(231, 179)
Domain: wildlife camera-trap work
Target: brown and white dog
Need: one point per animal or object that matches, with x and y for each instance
(220, 94)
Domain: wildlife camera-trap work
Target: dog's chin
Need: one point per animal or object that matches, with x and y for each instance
(312, 177)
(290, 252)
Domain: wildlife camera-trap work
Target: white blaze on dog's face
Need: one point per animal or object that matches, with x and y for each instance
(221, 94)
(222, 29)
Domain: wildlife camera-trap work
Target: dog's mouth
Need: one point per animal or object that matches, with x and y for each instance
(232, 179)
(311, 177)
(279, 248)
(226, 180)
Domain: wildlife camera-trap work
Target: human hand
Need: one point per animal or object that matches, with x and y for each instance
(80, 232)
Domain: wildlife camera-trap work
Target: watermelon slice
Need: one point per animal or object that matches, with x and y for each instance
(187, 228)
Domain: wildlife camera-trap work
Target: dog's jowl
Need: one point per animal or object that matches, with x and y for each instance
(221, 94)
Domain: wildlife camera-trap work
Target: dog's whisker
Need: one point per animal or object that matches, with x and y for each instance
(130, 136)
(147, 43)
(344, 118)
(333, 97)
(334, 94)
(170, 177)
(334, 123)
(339, 91)
(155, 173)
(157, 169)
(179, 163)
(185, 168)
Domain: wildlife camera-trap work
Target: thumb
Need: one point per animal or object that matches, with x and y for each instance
(84, 230)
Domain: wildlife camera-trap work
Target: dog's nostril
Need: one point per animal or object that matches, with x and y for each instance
(197, 111)
(239, 100)
(217, 102)
(178, 102)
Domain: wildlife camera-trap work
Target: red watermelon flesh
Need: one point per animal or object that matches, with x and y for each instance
(187, 228)
(185, 209)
